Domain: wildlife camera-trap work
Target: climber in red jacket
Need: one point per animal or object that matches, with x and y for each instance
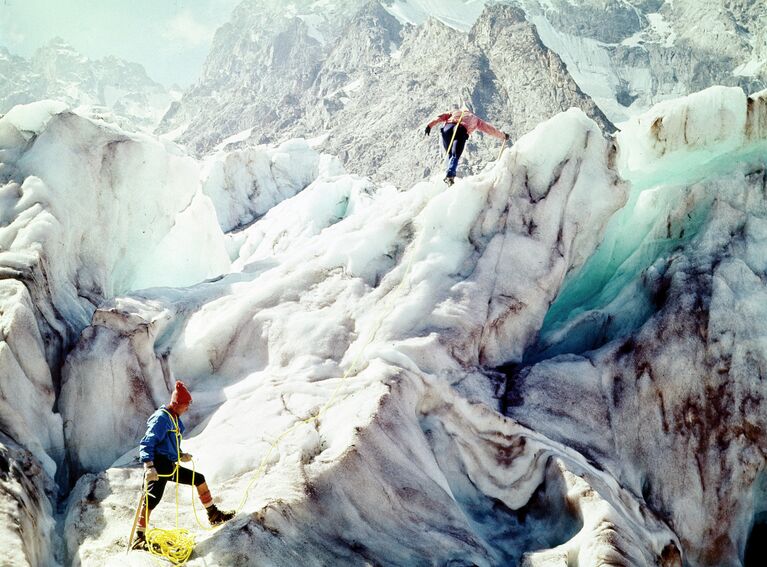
(459, 124)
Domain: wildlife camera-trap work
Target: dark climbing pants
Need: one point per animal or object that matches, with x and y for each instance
(166, 467)
(454, 154)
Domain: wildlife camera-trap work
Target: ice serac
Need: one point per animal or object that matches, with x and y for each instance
(88, 211)
(356, 341)
(124, 202)
(663, 385)
(246, 183)
(27, 528)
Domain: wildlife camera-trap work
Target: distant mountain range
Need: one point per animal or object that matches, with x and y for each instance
(105, 86)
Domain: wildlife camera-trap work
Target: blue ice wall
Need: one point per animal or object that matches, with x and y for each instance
(621, 285)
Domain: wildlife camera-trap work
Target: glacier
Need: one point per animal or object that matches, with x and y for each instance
(558, 361)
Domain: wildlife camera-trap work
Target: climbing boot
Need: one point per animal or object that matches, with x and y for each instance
(139, 541)
(217, 517)
(449, 181)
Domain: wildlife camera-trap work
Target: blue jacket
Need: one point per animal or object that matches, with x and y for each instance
(160, 437)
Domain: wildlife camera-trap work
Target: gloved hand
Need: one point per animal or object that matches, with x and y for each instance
(186, 457)
(151, 473)
(507, 136)
(427, 131)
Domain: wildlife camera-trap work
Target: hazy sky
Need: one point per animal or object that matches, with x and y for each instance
(170, 38)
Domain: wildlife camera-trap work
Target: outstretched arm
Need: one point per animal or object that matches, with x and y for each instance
(441, 118)
(490, 129)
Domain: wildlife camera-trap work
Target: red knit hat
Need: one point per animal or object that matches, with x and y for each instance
(180, 395)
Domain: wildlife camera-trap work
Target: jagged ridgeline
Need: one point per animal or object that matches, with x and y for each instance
(558, 361)
(109, 88)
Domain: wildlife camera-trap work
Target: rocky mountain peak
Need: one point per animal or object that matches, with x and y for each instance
(374, 86)
(628, 55)
(60, 45)
(111, 88)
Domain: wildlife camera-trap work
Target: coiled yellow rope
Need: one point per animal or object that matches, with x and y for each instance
(175, 545)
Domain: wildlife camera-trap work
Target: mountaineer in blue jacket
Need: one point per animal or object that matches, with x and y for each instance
(160, 453)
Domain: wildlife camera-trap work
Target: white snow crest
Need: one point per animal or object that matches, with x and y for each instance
(694, 129)
(32, 117)
(245, 184)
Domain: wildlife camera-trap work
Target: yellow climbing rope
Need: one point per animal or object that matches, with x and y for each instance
(175, 545)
